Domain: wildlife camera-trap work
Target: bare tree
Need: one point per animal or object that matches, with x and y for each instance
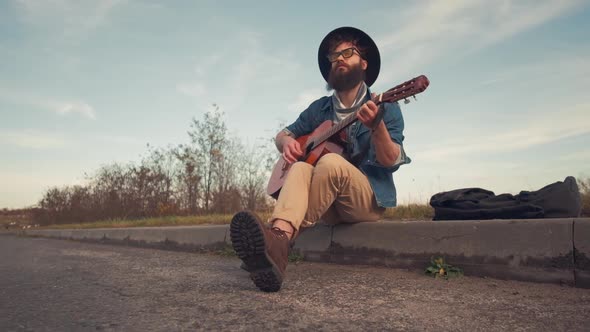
(253, 177)
(226, 198)
(209, 138)
(188, 178)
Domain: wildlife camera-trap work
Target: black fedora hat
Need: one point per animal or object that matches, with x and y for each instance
(371, 52)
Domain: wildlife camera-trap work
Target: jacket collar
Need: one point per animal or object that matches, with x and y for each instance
(327, 103)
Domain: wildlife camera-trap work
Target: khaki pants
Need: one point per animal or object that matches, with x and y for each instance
(334, 190)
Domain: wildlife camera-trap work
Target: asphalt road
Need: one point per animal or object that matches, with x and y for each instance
(55, 285)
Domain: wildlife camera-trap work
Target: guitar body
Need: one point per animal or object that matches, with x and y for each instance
(282, 167)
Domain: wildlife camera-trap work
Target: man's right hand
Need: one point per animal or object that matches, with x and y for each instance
(291, 150)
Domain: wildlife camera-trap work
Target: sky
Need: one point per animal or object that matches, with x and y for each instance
(89, 83)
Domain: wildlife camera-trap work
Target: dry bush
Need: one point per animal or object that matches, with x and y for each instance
(214, 173)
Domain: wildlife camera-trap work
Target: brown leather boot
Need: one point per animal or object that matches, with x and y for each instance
(263, 250)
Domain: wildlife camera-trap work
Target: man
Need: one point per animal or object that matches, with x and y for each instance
(355, 187)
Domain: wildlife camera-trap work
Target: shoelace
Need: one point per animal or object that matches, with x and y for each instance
(279, 232)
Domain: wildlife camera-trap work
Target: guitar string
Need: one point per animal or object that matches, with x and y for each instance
(352, 117)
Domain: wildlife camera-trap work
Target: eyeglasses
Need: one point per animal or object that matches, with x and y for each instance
(346, 53)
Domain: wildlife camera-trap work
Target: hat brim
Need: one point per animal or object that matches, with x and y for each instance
(372, 55)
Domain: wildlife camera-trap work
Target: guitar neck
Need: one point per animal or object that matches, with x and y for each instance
(399, 92)
(343, 124)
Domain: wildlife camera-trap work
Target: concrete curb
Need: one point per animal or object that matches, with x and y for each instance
(185, 238)
(539, 250)
(582, 252)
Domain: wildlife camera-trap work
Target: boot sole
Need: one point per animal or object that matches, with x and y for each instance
(247, 239)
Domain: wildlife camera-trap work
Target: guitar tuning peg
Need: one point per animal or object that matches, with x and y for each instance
(406, 101)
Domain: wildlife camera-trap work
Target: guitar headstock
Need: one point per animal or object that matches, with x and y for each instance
(407, 89)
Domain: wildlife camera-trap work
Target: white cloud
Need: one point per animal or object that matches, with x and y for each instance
(71, 18)
(206, 63)
(120, 140)
(304, 99)
(67, 107)
(32, 139)
(555, 69)
(535, 129)
(55, 105)
(429, 30)
(195, 89)
(39, 139)
(578, 156)
(514, 17)
(249, 66)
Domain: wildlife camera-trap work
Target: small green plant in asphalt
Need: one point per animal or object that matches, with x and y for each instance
(440, 269)
(226, 251)
(295, 257)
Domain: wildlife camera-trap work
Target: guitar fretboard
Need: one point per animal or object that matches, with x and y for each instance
(402, 91)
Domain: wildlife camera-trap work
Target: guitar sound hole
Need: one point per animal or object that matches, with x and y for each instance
(309, 147)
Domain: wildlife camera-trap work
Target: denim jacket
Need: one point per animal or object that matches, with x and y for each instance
(380, 177)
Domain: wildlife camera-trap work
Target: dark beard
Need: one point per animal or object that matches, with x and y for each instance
(342, 81)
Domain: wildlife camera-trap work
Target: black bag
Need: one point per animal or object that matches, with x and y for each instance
(557, 200)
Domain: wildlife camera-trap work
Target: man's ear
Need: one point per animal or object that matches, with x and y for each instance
(364, 64)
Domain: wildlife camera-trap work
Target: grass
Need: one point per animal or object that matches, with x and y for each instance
(295, 257)
(410, 212)
(212, 219)
(403, 212)
(228, 251)
(19, 219)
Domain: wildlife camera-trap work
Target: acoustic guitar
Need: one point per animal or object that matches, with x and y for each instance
(326, 138)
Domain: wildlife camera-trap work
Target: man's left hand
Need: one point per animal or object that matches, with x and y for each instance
(367, 114)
